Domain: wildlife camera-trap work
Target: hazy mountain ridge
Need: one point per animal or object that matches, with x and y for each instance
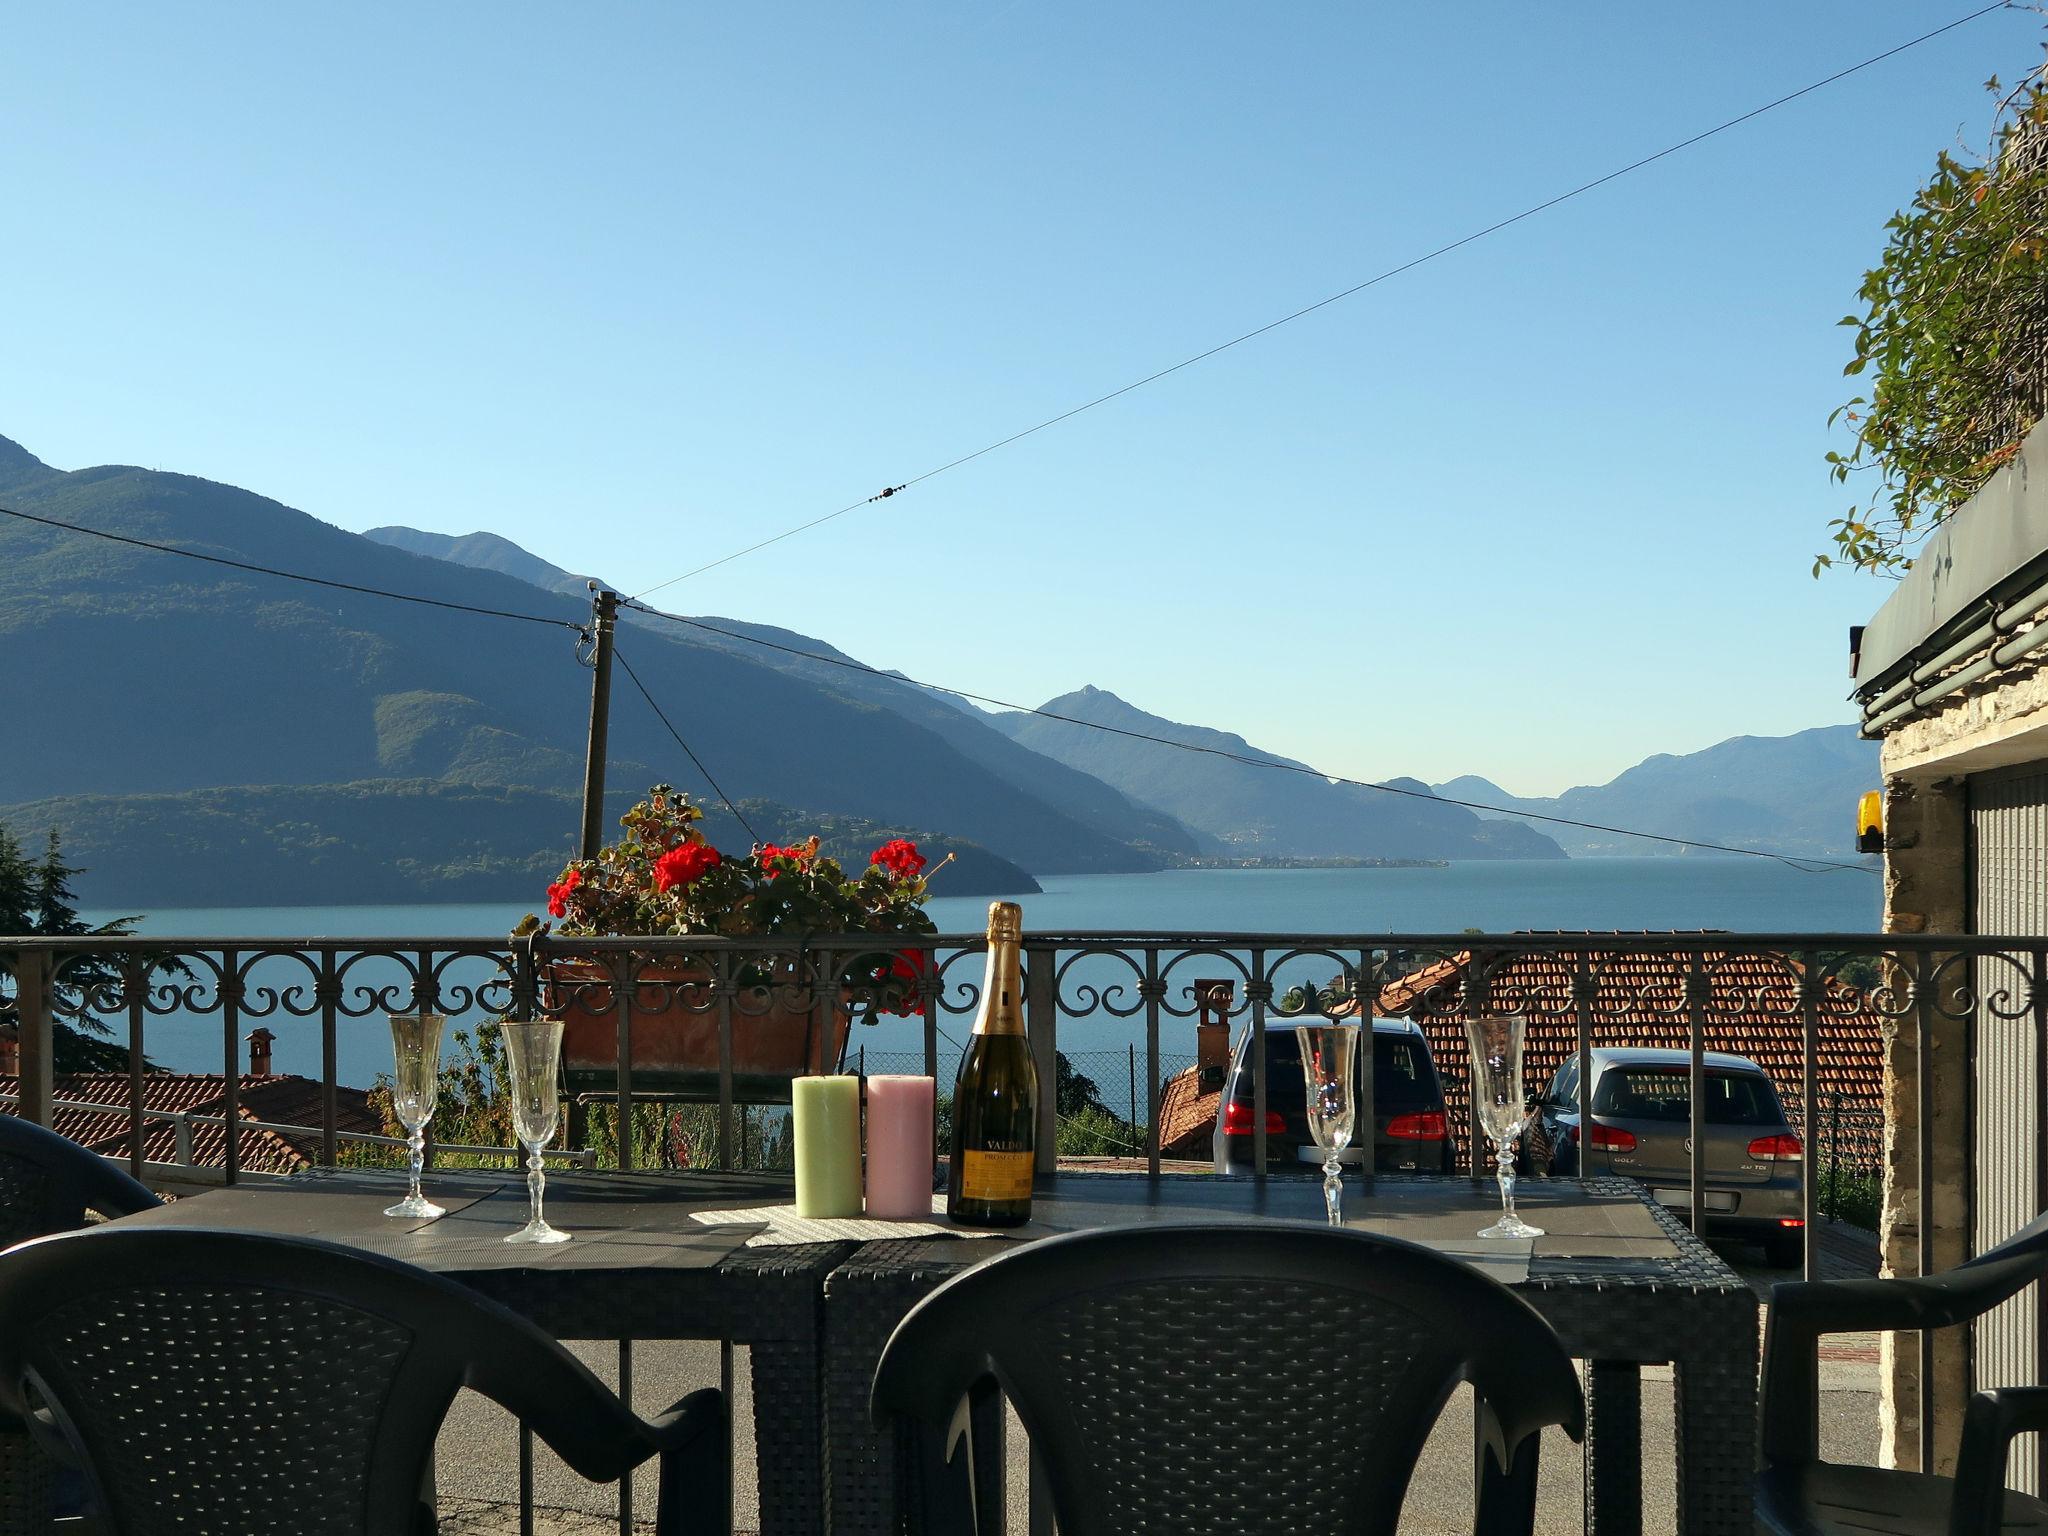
(1243, 808)
(146, 673)
(1789, 794)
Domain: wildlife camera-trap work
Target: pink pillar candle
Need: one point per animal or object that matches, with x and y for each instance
(900, 1147)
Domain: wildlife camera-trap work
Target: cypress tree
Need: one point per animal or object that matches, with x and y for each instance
(36, 900)
(17, 887)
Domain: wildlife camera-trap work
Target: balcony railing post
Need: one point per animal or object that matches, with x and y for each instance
(38, 1039)
(1153, 990)
(1365, 994)
(1041, 1028)
(1258, 992)
(1810, 987)
(1696, 986)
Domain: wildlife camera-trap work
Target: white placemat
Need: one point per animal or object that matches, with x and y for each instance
(785, 1227)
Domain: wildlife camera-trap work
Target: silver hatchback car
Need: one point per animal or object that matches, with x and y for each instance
(1641, 1127)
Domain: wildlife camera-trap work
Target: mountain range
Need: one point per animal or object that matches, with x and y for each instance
(1790, 794)
(204, 733)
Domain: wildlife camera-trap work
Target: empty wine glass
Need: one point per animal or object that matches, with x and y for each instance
(1499, 1109)
(533, 1058)
(415, 1083)
(1329, 1056)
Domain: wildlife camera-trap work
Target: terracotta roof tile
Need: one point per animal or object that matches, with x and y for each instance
(1639, 999)
(1753, 1011)
(281, 1098)
(1187, 1114)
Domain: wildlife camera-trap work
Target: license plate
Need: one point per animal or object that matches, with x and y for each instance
(1681, 1199)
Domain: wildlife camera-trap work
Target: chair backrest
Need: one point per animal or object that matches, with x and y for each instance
(1228, 1377)
(48, 1183)
(226, 1382)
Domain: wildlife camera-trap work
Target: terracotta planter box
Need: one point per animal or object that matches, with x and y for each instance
(675, 1045)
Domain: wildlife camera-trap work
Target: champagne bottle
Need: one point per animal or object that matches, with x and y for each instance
(995, 1102)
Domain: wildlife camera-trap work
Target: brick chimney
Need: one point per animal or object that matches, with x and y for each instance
(1212, 1028)
(259, 1040)
(10, 1051)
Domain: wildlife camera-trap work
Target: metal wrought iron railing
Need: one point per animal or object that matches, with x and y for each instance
(1815, 1010)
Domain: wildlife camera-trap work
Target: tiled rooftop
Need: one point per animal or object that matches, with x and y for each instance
(1753, 1011)
(281, 1098)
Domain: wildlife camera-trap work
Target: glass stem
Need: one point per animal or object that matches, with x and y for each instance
(1333, 1188)
(416, 1155)
(1504, 1165)
(535, 1182)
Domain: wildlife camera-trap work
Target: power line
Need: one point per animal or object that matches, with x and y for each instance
(620, 657)
(1356, 288)
(315, 581)
(1804, 866)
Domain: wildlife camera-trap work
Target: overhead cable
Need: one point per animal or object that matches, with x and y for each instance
(314, 581)
(659, 714)
(1356, 288)
(1803, 865)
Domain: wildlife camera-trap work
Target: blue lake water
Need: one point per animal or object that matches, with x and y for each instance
(1745, 895)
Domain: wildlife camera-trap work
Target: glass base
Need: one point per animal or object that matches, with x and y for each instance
(539, 1232)
(417, 1207)
(1511, 1226)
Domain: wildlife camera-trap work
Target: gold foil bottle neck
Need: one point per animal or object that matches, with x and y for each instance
(1005, 922)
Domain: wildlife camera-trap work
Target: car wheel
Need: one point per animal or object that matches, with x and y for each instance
(1787, 1252)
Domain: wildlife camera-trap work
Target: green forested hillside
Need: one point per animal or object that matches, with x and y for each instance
(395, 840)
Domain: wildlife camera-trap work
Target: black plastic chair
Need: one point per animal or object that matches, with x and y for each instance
(1219, 1378)
(238, 1384)
(49, 1183)
(1799, 1493)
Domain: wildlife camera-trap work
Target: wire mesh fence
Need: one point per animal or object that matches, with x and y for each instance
(1102, 1102)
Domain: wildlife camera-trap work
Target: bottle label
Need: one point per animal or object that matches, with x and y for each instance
(995, 1175)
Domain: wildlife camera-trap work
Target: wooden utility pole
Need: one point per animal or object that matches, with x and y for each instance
(605, 615)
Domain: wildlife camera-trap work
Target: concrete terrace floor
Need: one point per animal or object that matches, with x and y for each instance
(478, 1451)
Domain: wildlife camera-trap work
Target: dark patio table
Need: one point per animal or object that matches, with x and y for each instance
(638, 1267)
(1621, 1279)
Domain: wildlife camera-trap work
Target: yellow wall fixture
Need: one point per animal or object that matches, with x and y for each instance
(1870, 822)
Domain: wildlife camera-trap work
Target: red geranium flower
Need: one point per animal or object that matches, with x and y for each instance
(684, 865)
(911, 966)
(558, 893)
(900, 857)
(768, 851)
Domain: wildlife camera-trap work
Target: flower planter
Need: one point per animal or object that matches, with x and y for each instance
(674, 1034)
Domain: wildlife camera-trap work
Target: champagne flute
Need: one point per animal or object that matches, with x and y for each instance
(1499, 1109)
(415, 1084)
(533, 1057)
(1329, 1055)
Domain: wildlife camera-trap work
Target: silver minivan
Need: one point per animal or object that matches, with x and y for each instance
(1641, 1127)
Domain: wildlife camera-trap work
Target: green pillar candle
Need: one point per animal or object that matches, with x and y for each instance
(827, 1114)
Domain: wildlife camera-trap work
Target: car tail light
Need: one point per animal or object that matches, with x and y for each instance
(1426, 1126)
(1608, 1138)
(1237, 1120)
(1776, 1149)
(1791, 1221)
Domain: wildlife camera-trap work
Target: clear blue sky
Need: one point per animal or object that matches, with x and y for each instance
(635, 285)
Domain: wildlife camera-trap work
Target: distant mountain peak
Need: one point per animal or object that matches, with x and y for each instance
(484, 551)
(18, 464)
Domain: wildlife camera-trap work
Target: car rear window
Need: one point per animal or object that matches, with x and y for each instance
(1665, 1093)
(1403, 1076)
